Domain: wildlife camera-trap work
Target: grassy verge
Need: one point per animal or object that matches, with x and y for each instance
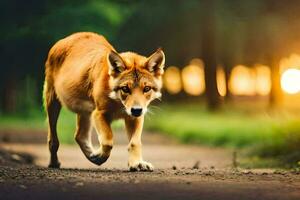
(229, 127)
(36, 120)
(33, 120)
(270, 138)
(282, 149)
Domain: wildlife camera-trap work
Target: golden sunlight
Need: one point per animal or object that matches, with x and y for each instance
(242, 81)
(290, 81)
(293, 61)
(193, 78)
(263, 80)
(172, 80)
(290, 74)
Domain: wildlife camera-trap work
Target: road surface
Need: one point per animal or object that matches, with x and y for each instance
(181, 172)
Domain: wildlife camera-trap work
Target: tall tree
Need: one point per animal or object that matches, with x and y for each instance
(209, 54)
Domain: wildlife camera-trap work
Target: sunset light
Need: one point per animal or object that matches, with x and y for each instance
(263, 80)
(193, 79)
(290, 81)
(172, 80)
(242, 81)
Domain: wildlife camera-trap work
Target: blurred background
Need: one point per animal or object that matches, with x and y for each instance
(232, 75)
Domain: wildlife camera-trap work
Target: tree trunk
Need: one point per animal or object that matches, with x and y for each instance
(9, 95)
(209, 55)
(228, 95)
(275, 98)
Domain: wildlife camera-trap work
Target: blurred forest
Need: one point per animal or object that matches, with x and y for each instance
(254, 46)
(220, 32)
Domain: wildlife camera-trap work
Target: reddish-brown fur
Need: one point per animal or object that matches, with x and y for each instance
(85, 74)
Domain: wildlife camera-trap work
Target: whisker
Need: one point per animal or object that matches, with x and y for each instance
(155, 108)
(150, 111)
(148, 116)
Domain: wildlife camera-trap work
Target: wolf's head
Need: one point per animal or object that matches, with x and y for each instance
(135, 80)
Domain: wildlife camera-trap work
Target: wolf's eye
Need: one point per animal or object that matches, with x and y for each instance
(147, 89)
(125, 89)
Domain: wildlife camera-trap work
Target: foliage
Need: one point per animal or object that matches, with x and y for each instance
(243, 31)
(36, 120)
(269, 138)
(29, 29)
(230, 127)
(283, 147)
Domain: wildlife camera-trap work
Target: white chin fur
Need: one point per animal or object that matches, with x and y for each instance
(144, 111)
(157, 95)
(113, 95)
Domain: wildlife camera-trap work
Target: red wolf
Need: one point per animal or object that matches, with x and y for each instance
(85, 74)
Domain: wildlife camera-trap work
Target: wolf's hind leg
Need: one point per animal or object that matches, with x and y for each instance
(53, 107)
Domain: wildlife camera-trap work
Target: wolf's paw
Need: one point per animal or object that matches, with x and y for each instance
(101, 155)
(54, 165)
(98, 159)
(141, 166)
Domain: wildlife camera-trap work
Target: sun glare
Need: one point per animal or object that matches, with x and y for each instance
(263, 80)
(193, 79)
(172, 80)
(290, 81)
(242, 81)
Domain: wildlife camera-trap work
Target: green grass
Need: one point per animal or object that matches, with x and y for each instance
(283, 147)
(268, 136)
(36, 120)
(229, 127)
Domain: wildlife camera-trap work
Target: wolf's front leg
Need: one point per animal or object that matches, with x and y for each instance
(83, 134)
(83, 138)
(102, 125)
(134, 127)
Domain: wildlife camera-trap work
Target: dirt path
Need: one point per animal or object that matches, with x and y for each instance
(162, 152)
(174, 177)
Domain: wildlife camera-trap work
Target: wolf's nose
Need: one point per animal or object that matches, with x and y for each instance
(136, 111)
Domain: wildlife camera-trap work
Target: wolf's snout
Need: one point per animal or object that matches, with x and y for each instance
(136, 112)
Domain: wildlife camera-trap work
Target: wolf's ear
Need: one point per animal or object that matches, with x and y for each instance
(116, 64)
(156, 63)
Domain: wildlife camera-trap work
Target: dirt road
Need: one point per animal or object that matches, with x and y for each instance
(173, 178)
(162, 152)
